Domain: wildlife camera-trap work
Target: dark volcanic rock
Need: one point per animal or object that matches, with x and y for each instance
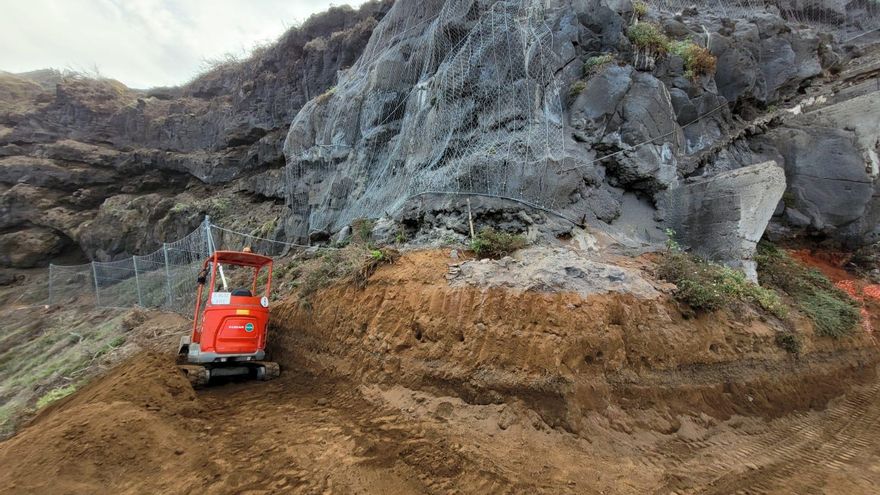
(97, 162)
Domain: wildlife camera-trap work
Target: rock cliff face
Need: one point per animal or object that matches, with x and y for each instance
(93, 166)
(553, 104)
(385, 110)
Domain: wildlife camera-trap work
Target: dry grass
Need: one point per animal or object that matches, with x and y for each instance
(698, 60)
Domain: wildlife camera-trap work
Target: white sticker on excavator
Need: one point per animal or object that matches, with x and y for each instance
(221, 297)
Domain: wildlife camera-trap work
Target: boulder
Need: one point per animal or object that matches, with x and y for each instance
(723, 217)
(29, 247)
(827, 177)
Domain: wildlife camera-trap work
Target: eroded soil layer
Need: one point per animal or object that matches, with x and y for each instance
(563, 354)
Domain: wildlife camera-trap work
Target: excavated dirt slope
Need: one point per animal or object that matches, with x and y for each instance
(562, 353)
(419, 384)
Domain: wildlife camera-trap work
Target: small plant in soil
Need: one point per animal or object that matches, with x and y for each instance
(362, 230)
(54, 395)
(354, 264)
(377, 257)
(833, 312)
(490, 243)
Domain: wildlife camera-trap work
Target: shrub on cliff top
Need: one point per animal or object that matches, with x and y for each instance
(832, 311)
(490, 243)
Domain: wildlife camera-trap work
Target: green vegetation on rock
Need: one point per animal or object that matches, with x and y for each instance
(703, 285)
(648, 36)
(832, 311)
(595, 64)
(698, 61)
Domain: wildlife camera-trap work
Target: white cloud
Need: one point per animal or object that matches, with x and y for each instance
(142, 43)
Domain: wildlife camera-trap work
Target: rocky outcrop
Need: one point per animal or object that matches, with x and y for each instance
(384, 110)
(830, 157)
(724, 217)
(421, 112)
(86, 160)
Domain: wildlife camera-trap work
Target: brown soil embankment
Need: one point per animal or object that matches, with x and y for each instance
(115, 434)
(562, 353)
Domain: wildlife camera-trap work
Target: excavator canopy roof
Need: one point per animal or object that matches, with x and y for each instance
(239, 258)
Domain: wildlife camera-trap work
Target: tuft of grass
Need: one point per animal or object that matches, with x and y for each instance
(325, 96)
(55, 394)
(833, 313)
(698, 61)
(362, 230)
(640, 9)
(790, 342)
(219, 206)
(179, 208)
(576, 89)
(595, 64)
(266, 229)
(708, 286)
(376, 258)
(648, 36)
(490, 243)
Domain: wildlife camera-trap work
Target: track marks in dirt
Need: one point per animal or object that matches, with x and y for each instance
(835, 450)
(323, 437)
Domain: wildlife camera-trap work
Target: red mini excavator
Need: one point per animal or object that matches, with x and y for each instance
(230, 325)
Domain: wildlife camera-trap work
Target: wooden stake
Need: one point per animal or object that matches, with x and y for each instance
(470, 219)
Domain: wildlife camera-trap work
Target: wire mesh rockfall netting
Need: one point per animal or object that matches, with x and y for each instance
(230, 240)
(456, 95)
(165, 278)
(847, 19)
(463, 97)
(71, 283)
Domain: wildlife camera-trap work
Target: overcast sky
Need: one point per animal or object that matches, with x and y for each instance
(143, 43)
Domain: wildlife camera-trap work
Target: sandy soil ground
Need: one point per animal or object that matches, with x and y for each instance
(143, 430)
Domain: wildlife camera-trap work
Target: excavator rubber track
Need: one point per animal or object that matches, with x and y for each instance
(198, 376)
(267, 370)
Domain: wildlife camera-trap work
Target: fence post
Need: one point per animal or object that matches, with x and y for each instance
(97, 293)
(49, 302)
(167, 275)
(209, 237)
(137, 280)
